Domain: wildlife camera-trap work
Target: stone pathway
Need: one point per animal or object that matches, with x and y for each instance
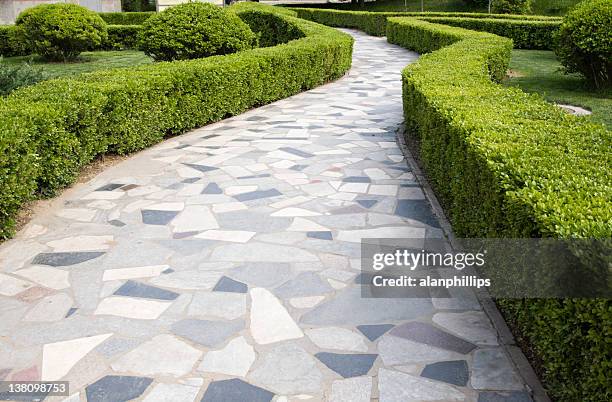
(222, 265)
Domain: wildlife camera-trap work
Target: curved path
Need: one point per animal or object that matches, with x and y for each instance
(222, 263)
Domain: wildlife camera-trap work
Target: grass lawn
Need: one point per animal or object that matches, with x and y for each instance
(87, 62)
(539, 71)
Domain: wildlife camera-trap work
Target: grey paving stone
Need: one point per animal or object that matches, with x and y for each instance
(206, 332)
(226, 284)
(110, 187)
(418, 210)
(513, 396)
(492, 370)
(349, 308)
(235, 390)
(201, 168)
(117, 223)
(296, 152)
(320, 235)
(65, 259)
(305, 284)
(394, 386)
(153, 217)
(115, 388)
(357, 179)
(212, 188)
(255, 195)
(347, 365)
(137, 289)
(375, 331)
(453, 372)
(262, 274)
(430, 335)
(367, 203)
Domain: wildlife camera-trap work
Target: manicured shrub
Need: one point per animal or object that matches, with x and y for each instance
(16, 76)
(60, 31)
(126, 18)
(584, 41)
(511, 6)
(125, 110)
(194, 30)
(121, 37)
(507, 164)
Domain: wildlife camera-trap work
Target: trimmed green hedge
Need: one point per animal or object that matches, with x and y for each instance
(527, 31)
(508, 164)
(126, 18)
(50, 130)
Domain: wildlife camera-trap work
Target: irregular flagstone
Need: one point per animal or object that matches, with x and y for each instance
(163, 355)
(402, 232)
(113, 388)
(305, 284)
(234, 236)
(10, 286)
(189, 280)
(218, 304)
(205, 332)
(374, 331)
(262, 274)
(194, 217)
(492, 370)
(337, 338)
(306, 302)
(357, 389)
(511, 396)
(270, 321)
(81, 243)
(65, 259)
(135, 272)
(394, 350)
(140, 290)
(471, 325)
(155, 217)
(234, 359)
(132, 308)
(453, 372)
(51, 308)
(48, 277)
(172, 392)
(60, 357)
(430, 335)
(348, 365)
(349, 308)
(288, 369)
(394, 386)
(226, 284)
(254, 252)
(235, 390)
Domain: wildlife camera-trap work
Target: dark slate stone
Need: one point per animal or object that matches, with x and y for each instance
(347, 365)
(110, 187)
(167, 271)
(226, 284)
(298, 168)
(356, 179)
(71, 311)
(255, 176)
(255, 195)
(117, 388)
(453, 372)
(296, 152)
(504, 396)
(373, 332)
(205, 332)
(320, 235)
(235, 390)
(66, 258)
(367, 203)
(201, 168)
(430, 335)
(418, 210)
(212, 188)
(191, 180)
(257, 118)
(184, 235)
(154, 217)
(140, 290)
(116, 222)
(129, 187)
(206, 137)
(183, 146)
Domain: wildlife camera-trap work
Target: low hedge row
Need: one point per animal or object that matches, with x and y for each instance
(508, 164)
(126, 18)
(120, 37)
(50, 130)
(528, 32)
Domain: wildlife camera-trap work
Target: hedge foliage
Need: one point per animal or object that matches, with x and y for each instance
(527, 31)
(508, 164)
(50, 130)
(127, 18)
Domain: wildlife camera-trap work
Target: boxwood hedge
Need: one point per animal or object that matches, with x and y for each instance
(528, 32)
(508, 164)
(126, 18)
(50, 130)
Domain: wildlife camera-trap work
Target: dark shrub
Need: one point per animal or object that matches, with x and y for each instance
(60, 31)
(584, 41)
(511, 6)
(15, 76)
(194, 30)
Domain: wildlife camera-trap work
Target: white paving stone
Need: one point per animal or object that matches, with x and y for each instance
(337, 338)
(304, 225)
(234, 236)
(394, 386)
(270, 321)
(472, 325)
(10, 286)
(49, 309)
(172, 392)
(306, 302)
(46, 276)
(295, 212)
(235, 359)
(77, 214)
(132, 308)
(134, 272)
(82, 243)
(193, 218)
(224, 305)
(59, 357)
(189, 280)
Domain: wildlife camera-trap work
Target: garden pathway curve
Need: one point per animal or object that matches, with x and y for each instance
(222, 265)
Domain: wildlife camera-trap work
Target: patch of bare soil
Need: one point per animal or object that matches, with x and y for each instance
(514, 74)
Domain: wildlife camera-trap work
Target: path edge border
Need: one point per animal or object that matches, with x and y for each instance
(506, 339)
